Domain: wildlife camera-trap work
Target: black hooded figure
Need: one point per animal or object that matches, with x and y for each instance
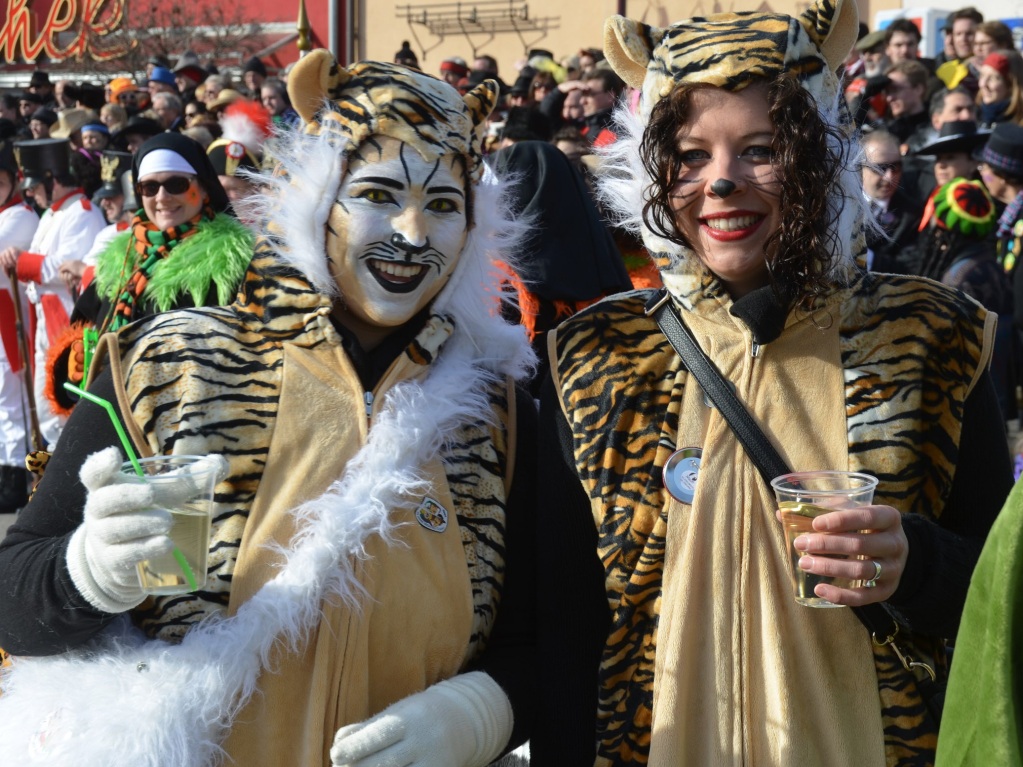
(571, 260)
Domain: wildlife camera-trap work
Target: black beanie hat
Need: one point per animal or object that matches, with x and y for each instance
(254, 65)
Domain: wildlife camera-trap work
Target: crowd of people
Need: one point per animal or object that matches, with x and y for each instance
(74, 203)
(442, 338)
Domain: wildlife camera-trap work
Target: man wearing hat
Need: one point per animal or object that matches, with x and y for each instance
(95, 137)
(955, 249)
(222, 100)
(253, 76)
(40, 85)
(67, 229)
(955, 151)
(70, 124)
(135, 133)
(161, 80)
(18, 223)
(453, 69)
(111, 196)
(188, 73)
(28, 103)
(239, 151)
(41, 121)
(1001, 168)
(406, 56)
(520, 94)
(116, 198)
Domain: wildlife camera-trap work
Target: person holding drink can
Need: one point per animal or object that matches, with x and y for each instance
(740, 169)
(366, 597)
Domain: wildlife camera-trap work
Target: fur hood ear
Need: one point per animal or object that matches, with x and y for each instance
(731, 50)
(293, 218)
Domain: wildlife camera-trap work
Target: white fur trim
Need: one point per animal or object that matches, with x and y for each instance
(96, 707)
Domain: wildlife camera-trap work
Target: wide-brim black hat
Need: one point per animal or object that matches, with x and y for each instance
(956, 136)
(142, 126)
(42, 159)
(1003, 152)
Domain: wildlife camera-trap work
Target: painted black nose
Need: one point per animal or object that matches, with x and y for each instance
(722, 187)
(398, 240)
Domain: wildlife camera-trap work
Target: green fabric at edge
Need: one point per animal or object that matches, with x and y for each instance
(982, 723)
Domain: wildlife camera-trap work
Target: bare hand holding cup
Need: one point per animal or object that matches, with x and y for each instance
(842, 549)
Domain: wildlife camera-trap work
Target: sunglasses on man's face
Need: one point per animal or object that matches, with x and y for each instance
(173, 185)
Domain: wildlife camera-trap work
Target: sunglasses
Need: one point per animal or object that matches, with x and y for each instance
(173, 185)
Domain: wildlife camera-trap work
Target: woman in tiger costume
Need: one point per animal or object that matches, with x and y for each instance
(670, 632)
(368, 596)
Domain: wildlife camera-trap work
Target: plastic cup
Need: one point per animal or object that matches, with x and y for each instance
(183, 569)
(804, 495)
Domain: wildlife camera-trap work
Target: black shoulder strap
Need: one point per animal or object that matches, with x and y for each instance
(756, 444)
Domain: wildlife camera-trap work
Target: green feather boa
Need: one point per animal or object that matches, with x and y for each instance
(219, 253)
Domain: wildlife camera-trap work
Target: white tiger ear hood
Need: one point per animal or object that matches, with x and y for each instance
(729, 51)
(347, 106)
(376, 98)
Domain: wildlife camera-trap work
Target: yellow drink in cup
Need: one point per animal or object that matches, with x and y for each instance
(802, 496)
(190, 531)
(183, 569)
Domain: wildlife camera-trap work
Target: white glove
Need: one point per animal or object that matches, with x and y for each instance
(464, 721)
(123, 524)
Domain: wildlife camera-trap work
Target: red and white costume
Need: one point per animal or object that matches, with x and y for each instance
(66, 233)
(18, 223)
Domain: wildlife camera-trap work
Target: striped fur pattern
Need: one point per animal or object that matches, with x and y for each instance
(618, 376)
(476, 464)
(235, 365)
(732, 50)
(376, 98)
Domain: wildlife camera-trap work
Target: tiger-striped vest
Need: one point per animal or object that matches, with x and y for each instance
(910, 351)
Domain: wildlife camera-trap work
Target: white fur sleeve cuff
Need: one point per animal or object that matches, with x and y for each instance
(81, 576)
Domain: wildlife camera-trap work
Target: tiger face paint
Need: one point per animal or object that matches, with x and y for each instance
(395, 233)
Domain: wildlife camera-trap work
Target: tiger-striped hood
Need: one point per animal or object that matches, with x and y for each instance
(311, 165)
(730, 51)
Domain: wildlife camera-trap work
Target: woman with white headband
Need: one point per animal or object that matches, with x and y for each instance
(181, 249)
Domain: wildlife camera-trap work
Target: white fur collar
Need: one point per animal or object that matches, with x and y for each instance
(149, 703)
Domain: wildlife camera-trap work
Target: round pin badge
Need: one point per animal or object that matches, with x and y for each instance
(680, 473)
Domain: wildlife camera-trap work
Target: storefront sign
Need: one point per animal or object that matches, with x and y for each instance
(73, 29)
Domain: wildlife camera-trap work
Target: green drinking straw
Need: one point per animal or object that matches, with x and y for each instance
(126, 444)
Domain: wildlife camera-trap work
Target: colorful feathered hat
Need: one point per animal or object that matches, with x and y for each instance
(246, 127)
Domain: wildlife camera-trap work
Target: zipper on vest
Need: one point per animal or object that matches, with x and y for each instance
(754, 350)
(368, 399)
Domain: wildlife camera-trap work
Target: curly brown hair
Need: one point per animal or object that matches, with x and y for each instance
(809, 156)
